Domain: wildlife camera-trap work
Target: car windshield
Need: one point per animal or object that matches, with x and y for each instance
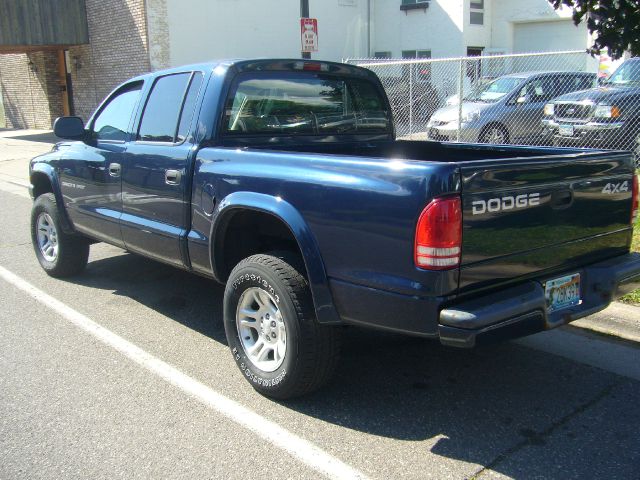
(493, 91)
(627, 73)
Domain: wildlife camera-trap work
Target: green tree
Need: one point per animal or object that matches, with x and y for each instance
(614, 23)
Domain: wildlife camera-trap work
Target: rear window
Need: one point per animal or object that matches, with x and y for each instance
(304, 104)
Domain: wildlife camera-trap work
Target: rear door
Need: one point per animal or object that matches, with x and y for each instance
(528, 217)
(156, 177)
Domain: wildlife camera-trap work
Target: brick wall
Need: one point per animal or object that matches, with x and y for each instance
(30, 89)
(118, 50)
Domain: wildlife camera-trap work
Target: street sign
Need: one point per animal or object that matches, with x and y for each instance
(309, 34)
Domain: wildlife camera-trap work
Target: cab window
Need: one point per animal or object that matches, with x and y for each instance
(160, 118)
(112, 122)
(304, 104)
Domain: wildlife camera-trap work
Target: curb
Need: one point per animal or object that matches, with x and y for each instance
(617, 320)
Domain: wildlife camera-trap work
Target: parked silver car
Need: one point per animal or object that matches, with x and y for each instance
(508, 109)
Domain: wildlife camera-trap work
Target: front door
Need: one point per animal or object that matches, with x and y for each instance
(526, 109)
(90, 171)
(156, 181)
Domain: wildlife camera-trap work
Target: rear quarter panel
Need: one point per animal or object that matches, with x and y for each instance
(360, 212)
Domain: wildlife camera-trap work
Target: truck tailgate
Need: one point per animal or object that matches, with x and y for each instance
(528, 218)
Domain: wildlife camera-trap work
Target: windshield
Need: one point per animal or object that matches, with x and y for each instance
(306, 104)
(493, 91)
(627, 73)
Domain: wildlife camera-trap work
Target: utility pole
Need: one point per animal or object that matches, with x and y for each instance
(304, 13)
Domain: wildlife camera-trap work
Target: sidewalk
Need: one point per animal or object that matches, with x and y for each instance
(17, 147)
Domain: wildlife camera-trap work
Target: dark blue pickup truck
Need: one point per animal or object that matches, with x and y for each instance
(283, 179)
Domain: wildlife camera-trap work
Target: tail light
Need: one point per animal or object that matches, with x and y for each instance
(311, 66)
(634, 200)
(439, 235)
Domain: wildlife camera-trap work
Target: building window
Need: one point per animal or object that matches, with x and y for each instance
(413, 4)
(476, 13)
(474, 67)
(423, 70)
(382, 55)
(416, 54)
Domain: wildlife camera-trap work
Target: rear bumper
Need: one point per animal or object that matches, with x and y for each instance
(509, 313)
(521, 310)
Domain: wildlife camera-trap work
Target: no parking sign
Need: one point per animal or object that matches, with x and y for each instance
(309, 34)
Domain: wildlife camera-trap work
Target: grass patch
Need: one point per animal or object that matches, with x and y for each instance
(633, 298)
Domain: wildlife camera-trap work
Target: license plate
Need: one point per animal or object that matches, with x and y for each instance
(566, 130)
(562, 292)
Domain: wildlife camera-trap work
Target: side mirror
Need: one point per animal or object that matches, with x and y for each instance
(71, 128)
(523, 99)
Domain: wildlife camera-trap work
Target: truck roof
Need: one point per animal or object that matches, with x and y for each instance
(262, 64)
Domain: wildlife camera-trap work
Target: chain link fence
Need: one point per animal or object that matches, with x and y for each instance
(546, 98)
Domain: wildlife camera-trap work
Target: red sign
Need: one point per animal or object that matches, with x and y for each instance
(309, 34)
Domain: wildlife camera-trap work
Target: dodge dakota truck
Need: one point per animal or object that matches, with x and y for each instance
(283, 180)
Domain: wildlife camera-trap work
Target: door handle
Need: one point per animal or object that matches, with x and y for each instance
(114, 169)
(172, 177)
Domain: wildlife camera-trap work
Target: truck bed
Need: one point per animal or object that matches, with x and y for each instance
(573, 219)
(409, 150)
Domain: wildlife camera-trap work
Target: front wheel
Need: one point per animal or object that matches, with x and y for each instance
(59, 254)
(494, 134)
(271, 328)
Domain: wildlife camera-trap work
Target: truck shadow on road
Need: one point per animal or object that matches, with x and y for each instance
(521, 412)
(193, 301)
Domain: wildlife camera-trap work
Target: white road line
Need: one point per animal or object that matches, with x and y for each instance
(305, 451)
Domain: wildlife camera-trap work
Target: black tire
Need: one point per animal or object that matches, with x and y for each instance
(72, 250)
(486, 135)
(312, 350)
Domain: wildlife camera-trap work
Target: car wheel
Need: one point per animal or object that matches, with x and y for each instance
(271, 328)
(59, 254)
(495, 134)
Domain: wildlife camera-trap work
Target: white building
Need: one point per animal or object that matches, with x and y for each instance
(253, 28)
(356, 28)
(123, 38)
(452, 28)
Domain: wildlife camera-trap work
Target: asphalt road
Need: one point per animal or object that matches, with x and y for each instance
(562, 404)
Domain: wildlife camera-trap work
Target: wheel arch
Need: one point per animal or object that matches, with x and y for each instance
(283, 222)
(43, 179)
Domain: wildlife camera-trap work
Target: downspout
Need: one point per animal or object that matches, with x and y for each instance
(369, 29)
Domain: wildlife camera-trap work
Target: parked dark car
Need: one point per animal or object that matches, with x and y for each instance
(283, 180)
(604, 117)
(507, 109)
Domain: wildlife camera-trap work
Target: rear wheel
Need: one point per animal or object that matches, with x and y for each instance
(271, 328)
(59, 254)
(496, 134)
